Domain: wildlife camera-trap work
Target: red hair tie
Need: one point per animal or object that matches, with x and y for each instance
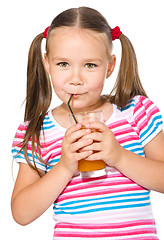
(45, 32)
(116, 33)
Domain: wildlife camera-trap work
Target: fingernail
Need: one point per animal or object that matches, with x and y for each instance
(87, 125)
(88, 130)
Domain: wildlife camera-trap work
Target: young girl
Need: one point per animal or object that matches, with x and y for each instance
(130, 140)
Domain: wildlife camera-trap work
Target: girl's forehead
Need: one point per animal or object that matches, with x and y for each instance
(82, 32)
(63, 35)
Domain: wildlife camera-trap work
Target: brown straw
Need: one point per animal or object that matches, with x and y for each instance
(71, 109)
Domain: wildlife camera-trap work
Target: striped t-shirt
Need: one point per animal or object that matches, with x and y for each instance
(110, 207)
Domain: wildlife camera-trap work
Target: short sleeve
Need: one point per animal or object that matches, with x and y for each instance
(18, 155)
(147, 118)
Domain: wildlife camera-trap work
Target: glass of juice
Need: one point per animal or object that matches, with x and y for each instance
(86, 168)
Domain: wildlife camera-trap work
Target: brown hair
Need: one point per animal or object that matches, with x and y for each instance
(38, 83)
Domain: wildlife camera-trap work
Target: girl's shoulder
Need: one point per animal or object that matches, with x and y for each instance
(139, 104)
(22, 127)
(140, 111)
(145, 118)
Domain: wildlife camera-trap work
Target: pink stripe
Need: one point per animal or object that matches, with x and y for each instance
(147, 104)
(143, 238)
(137, 107)
(106, 226)
(117, 124)
(88, 180)
(105, 234)
(45, 152)
(17, 144)
(51, 156)
(142, 125)
(140, 116)
(99, 184)
(125, 131)
(58, 153)
(23, 127)
(20, 135)
(152, 112)
(99, 192)
(49, 143)
(128, 138)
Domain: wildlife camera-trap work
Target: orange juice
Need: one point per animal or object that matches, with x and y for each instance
(87, 166)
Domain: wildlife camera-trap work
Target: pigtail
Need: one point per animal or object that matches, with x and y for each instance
(38, 98)
(128, 82)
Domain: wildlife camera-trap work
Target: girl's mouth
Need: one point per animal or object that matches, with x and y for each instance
(76, 95)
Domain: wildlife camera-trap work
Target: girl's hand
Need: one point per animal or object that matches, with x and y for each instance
(72, 143)
(104, 144)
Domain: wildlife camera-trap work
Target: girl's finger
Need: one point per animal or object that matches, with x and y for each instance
(78, 134)
(94, 156)
(101, 127)
(82, 155)
(93, 147)
(73, 128)
(96, 136)
(81, 144)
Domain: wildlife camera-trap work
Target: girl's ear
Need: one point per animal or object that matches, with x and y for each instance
(111, 66)
(46, 64)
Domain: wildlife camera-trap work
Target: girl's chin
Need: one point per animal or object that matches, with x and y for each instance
(83, 109)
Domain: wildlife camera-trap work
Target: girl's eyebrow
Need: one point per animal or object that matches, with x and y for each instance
(60, 59)
(85, 60)
(93, 60)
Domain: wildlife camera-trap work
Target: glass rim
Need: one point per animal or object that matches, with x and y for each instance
(86, 112)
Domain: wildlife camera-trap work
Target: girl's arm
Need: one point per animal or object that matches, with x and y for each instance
(32, 195)
(147, 171)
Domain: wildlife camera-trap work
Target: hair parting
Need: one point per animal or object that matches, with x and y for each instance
(39, 92)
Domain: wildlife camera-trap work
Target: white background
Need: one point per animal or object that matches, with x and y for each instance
(20, 21)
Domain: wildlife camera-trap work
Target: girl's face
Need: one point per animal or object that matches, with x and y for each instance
(78, 62)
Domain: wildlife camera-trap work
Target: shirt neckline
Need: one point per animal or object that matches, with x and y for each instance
(110, 119)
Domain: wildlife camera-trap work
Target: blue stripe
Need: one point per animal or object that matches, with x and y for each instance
(104, 203)
(130, 104)
(127, 107)
(132, 145)
(141, 154)
(48, 127)
(154, 130)
(21, 156)
(104, 209)
(52, 163)
(136, 149)
(47, 122)
(152, 126)
(103, 198)
(47, 117)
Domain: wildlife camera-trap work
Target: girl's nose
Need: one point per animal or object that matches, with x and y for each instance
(76, 78)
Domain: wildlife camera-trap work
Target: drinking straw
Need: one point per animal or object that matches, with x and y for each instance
(71, 109)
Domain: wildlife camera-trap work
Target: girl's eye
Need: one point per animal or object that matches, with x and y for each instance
(63, 64)
(90, 65)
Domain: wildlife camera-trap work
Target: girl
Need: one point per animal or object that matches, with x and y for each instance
(78, 59)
